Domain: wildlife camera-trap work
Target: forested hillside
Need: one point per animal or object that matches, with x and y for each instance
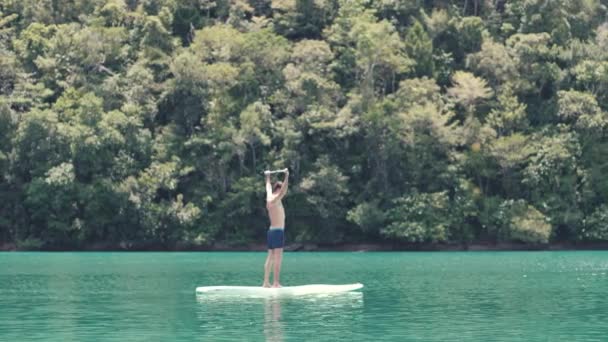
(149, 122)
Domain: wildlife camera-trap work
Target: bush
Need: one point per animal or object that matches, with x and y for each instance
(522, 222)
(419, 218)
(530, 225)
(595, 227)
(515, 220)
(368, 216)
(29, 244)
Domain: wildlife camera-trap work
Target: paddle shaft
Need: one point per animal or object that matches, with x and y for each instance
(273, 172)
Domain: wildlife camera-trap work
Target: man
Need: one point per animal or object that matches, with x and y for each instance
(275, 236)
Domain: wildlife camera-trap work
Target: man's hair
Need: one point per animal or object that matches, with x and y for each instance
(277, 186)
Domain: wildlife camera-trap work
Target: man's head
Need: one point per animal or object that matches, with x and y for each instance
(276, 187)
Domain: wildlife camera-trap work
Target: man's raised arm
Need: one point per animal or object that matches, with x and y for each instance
(285, 184)
(268, 186)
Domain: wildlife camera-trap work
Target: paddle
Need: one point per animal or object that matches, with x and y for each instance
(268, 172)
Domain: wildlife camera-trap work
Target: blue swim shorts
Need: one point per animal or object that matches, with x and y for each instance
(275, 237)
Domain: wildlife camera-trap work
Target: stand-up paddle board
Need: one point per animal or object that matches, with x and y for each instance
(286, 291)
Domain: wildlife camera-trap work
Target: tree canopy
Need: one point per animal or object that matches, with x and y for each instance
(149, 122)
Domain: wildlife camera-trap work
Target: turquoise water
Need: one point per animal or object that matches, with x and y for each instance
(504, 296)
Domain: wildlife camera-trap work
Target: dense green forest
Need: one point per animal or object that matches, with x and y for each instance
(149, 122)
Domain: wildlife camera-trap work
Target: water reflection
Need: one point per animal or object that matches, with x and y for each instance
(321, 309)
(273, 326)
(274, 319)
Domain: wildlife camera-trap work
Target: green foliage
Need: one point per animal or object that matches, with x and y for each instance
(573, 105)
(511, 151)
(368, 216)
(147, 123)
(39, 145)
(536, 65)
(298, 19)
(377, 50)
(591, 75)
(419, 47)
(33, 42)
(515, 220)
(53, 203)
(255, 121)
(325, 189)
(306, 78)
(157, 36)
(561, 18)
(553, 155)
(467, 90)
(495, 62)
(596, 225)
(470, 30)
(509, 116)
(554, 175)
(464, 212)
(30, 244)
(529, 225)
(419, 218)
(113, 12)
(71, 55)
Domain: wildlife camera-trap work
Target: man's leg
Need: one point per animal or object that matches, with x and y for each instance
(278, 258)
(267, 266)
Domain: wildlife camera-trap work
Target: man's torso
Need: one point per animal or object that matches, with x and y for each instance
(276, 213)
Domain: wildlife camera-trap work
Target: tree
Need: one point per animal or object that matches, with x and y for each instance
(431, 138)
(239, 12)
(52, 204)
(144, 124)
(562, 19)
(591, 76)
(538, 71)
(307, 78)
(157, 37)
(72, 56)
(419, 218)
(369, 217)
(578, 107)
(419, 47)
(380, 55)
(518, 221)
(373, 47)
(511, 154)
(301, 19)
(530, 225)
(254, 120)
(595, 225)
(326, 190)
(33, 42)
(470, 30)
(39, 145)
(509, 116)
(494, 62)
(113, 12)
(468, 90)
(553, 175)
(186, 99)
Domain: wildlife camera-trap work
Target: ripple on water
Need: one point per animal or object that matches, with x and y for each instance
(277, 318)
(555, 296)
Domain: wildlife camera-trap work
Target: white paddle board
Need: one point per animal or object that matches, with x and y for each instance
(259, 291)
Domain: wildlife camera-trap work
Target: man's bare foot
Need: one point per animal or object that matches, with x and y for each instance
(266, 285)
(276, 285)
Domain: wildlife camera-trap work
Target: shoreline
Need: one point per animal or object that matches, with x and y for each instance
(312, 247)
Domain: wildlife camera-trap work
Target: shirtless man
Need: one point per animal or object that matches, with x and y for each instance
(275, 235)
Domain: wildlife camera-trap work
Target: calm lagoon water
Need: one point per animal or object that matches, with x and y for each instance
(452, 296)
